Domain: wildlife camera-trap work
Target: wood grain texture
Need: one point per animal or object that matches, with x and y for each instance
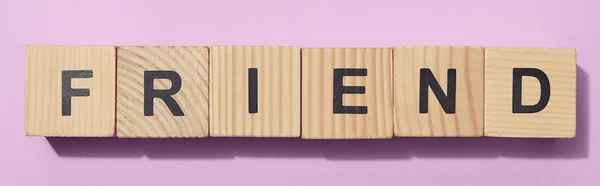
(278, 69)
(191, 63)
(557, 120)
(318, 119)
(467, 121)
(91, 116)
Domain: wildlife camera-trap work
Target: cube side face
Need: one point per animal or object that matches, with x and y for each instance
(180, 73)
(347, 93)
(464, 118)
(255, 91)
(538, 68)
(84, 106)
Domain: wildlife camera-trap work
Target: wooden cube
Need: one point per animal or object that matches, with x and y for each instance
(162, 91)
(255, 91)
(70, 91)
(347, 93)
(438, 91)
(530, 92)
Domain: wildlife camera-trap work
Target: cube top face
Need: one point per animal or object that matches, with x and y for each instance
(456, 74)
(70, 91)
(530, 92)
(162, 92)
(255, 91)
(347, 93)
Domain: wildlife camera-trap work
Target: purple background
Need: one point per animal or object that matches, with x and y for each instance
(308, 23)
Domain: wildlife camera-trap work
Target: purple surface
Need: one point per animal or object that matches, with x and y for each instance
(309, 23)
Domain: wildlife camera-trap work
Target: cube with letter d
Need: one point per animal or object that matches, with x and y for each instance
(530, 92)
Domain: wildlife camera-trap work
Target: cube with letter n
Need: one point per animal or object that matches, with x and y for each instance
(438, 91)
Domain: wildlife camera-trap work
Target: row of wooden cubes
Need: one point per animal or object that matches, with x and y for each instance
(313, 93)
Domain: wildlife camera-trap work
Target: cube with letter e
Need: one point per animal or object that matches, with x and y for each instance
(347, 93)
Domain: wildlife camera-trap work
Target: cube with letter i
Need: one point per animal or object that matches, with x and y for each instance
(255, 91)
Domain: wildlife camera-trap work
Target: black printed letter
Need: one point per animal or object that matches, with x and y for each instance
(68, 92)
(448, 102)
(518, 106)
(150, 93)
(252, 90)
(339, 89)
